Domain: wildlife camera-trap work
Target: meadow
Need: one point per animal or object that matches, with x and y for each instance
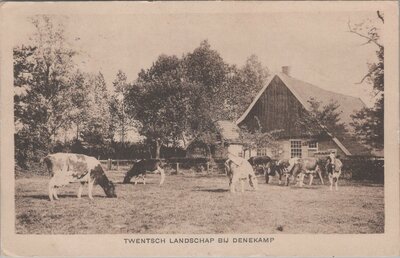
(197, 203)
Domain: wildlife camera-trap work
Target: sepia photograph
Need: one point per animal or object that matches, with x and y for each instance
(199, 126)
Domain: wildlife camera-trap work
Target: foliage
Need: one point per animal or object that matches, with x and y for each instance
(43, 89)
(121, 121)
(180, 99)
(252, 77)
(159, 100)
(259, 139)
(176, 100)
(365, 168)
(51, 96)
(95, 132)
(322, 118)
(368, 123)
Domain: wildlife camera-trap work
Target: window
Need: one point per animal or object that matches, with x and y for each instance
(262, 152)
(295, 148)
(313, 146)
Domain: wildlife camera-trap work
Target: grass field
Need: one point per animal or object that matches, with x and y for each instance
(198, 203)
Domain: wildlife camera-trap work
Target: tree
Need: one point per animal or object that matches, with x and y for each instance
(122, 121)
(43, 89)
(242, 85)
(368, 123)
(159, 100)
(205, 68)
(181, 99)
(95, 118)
(322, 118)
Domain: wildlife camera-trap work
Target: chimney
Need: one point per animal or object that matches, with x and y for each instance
(286, 70)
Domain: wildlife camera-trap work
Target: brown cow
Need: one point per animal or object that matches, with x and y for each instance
(302, 166)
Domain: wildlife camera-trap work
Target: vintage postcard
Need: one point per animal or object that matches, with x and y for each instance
(135, 129)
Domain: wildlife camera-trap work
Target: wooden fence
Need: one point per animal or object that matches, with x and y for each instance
(119, 164)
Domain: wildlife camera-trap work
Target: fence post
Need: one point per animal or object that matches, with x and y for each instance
(208, 167)
(109, 164)
(118, 164)
(177, 167)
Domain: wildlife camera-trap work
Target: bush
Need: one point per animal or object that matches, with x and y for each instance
(30, 147)
(197, 164)
(364, 168)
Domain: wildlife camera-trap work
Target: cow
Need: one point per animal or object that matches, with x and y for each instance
(140, 168)
(239, 169)
(278, 168)
(334, 170)
(67, 168)
(302, 166)
(263, 162)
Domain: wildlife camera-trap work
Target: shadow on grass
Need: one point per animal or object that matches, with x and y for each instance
(61, 196)
(308, 187)
(133, 183)
(211, 190)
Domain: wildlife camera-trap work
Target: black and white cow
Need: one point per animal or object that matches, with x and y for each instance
(278, 168)
(140, 168)
(334, 169)
(264, 163)
(67, 168)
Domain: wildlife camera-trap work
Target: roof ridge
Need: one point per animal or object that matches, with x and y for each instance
(330, 91)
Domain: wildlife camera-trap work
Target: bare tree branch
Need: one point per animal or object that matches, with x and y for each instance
(380, 16)
(369, 74)
(363, 36)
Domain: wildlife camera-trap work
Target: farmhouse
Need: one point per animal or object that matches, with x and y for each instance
(281, 102)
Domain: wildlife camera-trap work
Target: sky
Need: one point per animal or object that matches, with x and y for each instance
(317, 46)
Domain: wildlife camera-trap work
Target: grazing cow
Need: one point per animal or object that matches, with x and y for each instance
(66, 168)
(334, 170)
(278, 168)
(140, 168)
(263, 162)
(302, 166)
(239, 169)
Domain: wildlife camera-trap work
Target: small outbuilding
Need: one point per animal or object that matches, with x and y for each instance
(227, 136)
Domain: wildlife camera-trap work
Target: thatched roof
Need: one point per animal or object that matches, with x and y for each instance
(228, 130)
(304, 91)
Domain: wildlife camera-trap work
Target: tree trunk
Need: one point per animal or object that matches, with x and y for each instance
(208, 151)
(158, 147)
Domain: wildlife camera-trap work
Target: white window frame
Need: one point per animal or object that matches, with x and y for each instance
(313, 148)
(296, 151)
(262, 151)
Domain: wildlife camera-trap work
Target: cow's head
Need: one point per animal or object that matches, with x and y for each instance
(109, 189)
(104, 182)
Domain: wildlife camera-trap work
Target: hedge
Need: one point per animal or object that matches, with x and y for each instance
(364, 168)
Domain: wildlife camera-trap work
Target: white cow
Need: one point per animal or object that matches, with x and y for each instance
(66, 168)
(239, 169)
